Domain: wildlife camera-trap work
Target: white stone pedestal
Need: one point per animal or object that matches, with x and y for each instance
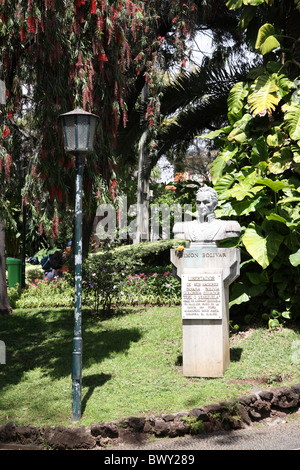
(206, 272)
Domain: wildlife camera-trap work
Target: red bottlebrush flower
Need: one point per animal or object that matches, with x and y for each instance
(10, 114)
(37, 205)
(103, 5)
(112, 192)
(6, 132)
(23, 34)
(79, 61)
(93, 7)
(35, 171)
(30, 22)
(8, 163)
(125, 118)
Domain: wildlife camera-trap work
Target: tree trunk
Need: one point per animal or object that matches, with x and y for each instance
(142, 232)
(5, 308)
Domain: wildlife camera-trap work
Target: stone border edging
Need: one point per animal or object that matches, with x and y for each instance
(229, 415)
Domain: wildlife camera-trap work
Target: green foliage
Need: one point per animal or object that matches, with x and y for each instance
(14, 294)
(43, 293)
(234, 4)
(103, 277)
(120, 277)
(149, 254)
(34, 272)
(195, 426)
(256, 175)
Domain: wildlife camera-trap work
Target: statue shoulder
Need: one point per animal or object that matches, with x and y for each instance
(232, 226)
(178, 230)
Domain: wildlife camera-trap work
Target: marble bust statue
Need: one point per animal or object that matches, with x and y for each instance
(206, 228)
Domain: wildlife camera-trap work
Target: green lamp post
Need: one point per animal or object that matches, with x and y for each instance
(79, 129)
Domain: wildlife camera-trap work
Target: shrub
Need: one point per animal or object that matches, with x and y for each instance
(34, 272)
(103, 276)
(14, 294)
(121, 278)
(43, 293)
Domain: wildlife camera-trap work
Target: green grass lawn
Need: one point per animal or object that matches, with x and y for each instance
(131, 365)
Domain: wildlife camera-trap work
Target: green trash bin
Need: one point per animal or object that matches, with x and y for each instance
(14, 271)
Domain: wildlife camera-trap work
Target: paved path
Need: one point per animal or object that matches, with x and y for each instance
(279, 436)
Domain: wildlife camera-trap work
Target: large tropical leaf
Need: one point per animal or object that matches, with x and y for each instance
(295, 258)
(262, 249)
(266, 40)
(220, 162)
(254, 3)
(239, 208)
(264, 98)
(292, 119)
(259, 151)
(236, 97)
(234, 4)
(280, 161)
(275, 137)
(239, 131)
(274, 185)
(224, 183)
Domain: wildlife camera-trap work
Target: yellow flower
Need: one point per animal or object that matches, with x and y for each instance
(180, 248)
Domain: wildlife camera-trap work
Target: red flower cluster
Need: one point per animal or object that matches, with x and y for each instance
(6, 132)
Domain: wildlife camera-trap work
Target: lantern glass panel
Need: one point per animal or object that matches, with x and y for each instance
(83, 130)
(93, 126)
(69, 129)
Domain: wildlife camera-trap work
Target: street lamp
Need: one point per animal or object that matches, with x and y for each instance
(79, 131)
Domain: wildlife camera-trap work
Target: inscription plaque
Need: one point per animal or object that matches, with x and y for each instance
(201, 296)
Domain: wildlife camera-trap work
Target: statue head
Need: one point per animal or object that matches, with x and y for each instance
(207, 200)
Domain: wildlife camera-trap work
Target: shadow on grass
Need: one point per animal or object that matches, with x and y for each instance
(92, 381)
(235, 354)
(44, 339)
